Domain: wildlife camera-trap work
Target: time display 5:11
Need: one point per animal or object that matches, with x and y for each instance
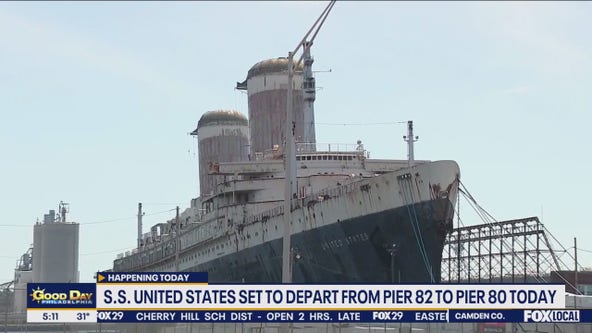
(50, 316)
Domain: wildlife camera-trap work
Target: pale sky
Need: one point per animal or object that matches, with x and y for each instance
(97, 100)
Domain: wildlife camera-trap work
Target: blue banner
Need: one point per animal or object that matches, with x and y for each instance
(152, 277)
(276, 316)
(269, 316)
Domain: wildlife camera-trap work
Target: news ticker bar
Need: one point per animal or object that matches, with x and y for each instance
(404, 316)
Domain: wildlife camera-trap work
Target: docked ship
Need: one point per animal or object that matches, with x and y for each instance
(353, 218)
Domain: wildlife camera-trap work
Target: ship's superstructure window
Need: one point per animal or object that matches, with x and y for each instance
(324, 158)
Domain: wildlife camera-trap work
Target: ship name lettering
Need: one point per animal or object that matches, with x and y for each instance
(348, 240)
(361, 237)
(332, 244)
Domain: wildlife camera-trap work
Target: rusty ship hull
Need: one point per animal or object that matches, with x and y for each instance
(388, 228)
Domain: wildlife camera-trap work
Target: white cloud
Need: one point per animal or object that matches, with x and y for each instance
(21, 34)
(297, 4)
(519, 90)
(540, 32)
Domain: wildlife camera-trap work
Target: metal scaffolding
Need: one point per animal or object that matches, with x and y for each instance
(514, 251)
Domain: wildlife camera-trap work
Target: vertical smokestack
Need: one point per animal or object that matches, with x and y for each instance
(223, 136)
(267, 88)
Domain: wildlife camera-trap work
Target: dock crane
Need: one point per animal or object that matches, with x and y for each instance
(290, 149)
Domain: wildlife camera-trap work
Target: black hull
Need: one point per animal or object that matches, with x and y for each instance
(355, 250)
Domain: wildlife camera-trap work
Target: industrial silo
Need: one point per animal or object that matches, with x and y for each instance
(223, 136)
(267, 89)
(55, 250)
(23, 274)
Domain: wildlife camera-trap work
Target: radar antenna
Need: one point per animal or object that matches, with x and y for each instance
(64, 208)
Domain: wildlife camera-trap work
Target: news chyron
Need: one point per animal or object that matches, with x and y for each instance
(61, 303)
(165, 297)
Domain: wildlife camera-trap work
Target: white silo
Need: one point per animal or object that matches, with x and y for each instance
(55, 249)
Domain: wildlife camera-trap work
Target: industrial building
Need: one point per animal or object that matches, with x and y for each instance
(53, 258)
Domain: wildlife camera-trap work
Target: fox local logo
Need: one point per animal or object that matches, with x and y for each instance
(552, 316)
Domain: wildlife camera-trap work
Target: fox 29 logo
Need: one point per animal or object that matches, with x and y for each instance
(551, 316)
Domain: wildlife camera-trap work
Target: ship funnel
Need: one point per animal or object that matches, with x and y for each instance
(267, 89)
(223, 136)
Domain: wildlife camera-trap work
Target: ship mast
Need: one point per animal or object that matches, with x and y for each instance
(290, 147)
(410, 139)
(64, 208)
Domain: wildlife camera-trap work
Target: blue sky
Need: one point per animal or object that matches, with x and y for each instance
(97, 100)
